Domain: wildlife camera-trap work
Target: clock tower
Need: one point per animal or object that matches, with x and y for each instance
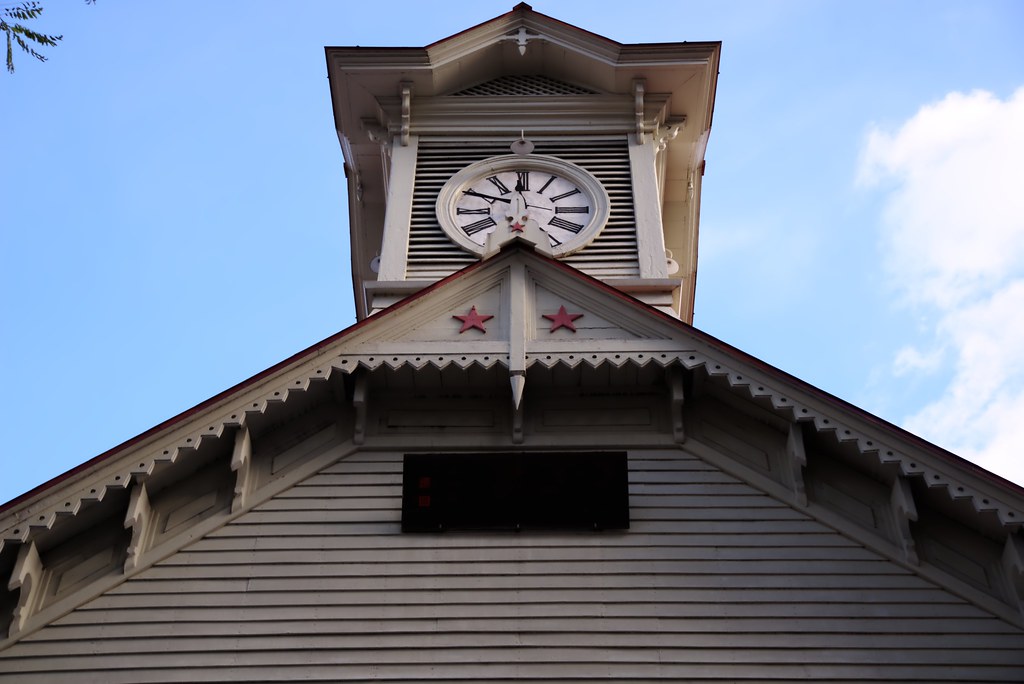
(525, 126)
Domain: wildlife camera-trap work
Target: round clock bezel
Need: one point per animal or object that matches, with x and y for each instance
(452, 192)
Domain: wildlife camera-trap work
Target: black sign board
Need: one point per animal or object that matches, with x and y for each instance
(514, 491)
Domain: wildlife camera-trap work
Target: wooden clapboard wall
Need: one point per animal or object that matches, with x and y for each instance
(715, 581)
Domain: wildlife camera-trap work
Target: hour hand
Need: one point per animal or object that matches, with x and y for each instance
(491, 198)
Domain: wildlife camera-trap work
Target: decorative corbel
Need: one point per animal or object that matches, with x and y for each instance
(359, 187)
(359, 403)
(378, 133)
(638, 104)
(26, 577)
(676, 386)
(406, 93)
(138, 519)
(797, 454)
(375, 131)
(241, 464)
(669, 131)
(904, 512)
(1013, 566)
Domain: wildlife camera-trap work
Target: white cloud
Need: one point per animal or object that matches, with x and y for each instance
(911, 359)
(953, 232)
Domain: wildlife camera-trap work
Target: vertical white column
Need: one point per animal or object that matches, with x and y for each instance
(398, 215)
(650, 238)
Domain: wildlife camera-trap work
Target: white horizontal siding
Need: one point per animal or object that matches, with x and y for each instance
(713, 582)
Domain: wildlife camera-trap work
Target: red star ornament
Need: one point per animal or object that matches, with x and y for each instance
(562, 319)
(473, 320)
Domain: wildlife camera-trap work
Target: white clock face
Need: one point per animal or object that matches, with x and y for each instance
(557, 204)
(514, 192)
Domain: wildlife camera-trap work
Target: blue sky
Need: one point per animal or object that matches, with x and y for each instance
(174, 215)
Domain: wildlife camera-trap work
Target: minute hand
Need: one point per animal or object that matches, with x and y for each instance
(474, 193)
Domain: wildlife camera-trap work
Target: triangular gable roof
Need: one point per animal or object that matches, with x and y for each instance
(524, 291)
(395, 325)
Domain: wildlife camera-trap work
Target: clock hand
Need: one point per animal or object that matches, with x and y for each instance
(474, 193)
(519, 191)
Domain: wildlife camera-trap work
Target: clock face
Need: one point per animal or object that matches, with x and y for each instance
(565, 202)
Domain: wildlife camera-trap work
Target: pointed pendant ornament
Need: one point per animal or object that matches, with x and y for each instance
(518, 379)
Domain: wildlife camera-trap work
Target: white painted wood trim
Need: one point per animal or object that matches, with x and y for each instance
(138, 519)
(904, 512)
(395, 243)
(650, 240)
(241, 463)
(26, 577)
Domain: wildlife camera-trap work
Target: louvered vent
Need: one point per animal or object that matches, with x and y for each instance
(612, 254)
(518, 86)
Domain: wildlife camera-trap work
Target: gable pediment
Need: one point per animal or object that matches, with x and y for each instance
(517, 292)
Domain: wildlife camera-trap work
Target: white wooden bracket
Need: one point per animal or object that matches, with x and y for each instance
(1013, 566)
(638, 107)
(378, 133)
(797, 453)
(359, 403)
(904, 512)
(241, 464)
(669, 131)
(406, 93)
(678, 398)
(138, 519)
(27, 577)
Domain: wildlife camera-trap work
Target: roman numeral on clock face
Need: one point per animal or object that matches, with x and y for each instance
(463, 210)
(545, 186)
(574, 191)
(522, 181)
(502, 188)
(572, 210)
(565, 225)
(482, 224)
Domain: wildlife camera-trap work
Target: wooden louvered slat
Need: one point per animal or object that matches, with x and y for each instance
(613, 253)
